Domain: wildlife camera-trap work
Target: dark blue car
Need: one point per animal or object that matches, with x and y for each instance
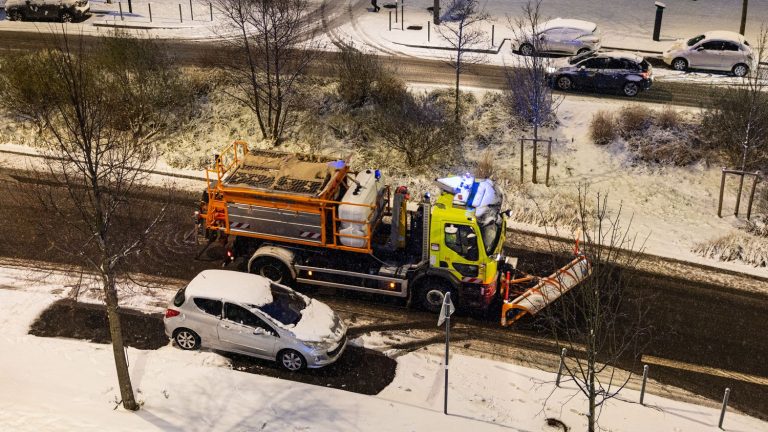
(608, 71)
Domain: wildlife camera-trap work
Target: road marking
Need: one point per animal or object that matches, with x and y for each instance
(754, 379)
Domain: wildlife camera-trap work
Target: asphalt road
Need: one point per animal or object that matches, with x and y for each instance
(710, 325)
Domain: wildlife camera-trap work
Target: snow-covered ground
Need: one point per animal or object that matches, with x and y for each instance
(61, 384)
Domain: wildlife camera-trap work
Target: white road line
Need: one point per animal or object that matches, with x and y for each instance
(754, 379)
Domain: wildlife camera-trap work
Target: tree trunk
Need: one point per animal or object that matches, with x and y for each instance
(116, 333)
(535, 161)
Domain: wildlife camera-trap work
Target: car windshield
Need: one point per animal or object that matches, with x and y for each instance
(695, 40)
(286, 305)
(491, 233)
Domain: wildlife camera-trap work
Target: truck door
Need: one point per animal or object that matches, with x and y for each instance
(460, 252)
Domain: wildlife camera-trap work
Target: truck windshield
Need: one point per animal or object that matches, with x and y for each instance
(286, 305)
(491, 234)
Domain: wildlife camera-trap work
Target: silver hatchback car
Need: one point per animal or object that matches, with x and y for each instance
(715, 50)
(251, 315)
(560, 36)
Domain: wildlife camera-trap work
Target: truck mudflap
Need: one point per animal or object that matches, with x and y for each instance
(547, 290)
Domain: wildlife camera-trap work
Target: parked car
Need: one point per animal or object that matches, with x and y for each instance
(612, 71)
(715, 50)
(61, 10)
(560, 36)
(249, 314)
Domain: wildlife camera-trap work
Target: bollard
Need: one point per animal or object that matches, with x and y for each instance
(210, 5)
(493, 34)
(149, 5)
(560, 368)
(657, 24)
(120, 5)
(395, 12)
(642, 388)
(725, 405)
(428, 25)
(390, 20)
(402, 16)
(181, 18)
(191, 14)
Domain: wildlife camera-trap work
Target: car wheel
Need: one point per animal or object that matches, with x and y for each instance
(432, 293)
(291, 360)
(16, 15)
(564, 83)
(272, 269)
(680, 64)
(631, 89)
(66, 17)
(526, 49)
(186, 339)
(740, 70)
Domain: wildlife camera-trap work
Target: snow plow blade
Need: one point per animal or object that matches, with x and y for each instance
(546, 291)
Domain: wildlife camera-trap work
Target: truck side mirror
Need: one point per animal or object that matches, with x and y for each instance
(507, 213)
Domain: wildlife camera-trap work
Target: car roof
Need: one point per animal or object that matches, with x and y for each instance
(569, 23)
(233, 286)
(724, 35)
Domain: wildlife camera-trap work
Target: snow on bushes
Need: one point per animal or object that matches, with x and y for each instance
(664, 137)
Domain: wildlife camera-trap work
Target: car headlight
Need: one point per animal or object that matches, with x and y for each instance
(316, 346)
(550, 70)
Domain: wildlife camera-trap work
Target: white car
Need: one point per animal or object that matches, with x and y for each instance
(715, 50)
(560, 36)
(249, 314)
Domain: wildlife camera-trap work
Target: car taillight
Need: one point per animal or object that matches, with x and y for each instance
(170, 313)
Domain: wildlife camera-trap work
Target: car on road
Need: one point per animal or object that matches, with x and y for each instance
(715, 50)
(59, 10)
(251, 315)
(605, 71)
(559, 36)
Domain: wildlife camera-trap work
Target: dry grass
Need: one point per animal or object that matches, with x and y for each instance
(737, 247)
(634, 119)
(669, 118)
(485, 166)
(602, 129)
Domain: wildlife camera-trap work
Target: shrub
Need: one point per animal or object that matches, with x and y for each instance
(634, 119)
(668, 118)
(602, 129)
(357, 73)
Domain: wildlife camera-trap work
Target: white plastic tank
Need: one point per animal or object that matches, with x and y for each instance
(356, 216)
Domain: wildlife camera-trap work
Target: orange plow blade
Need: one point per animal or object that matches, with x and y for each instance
(546, 291)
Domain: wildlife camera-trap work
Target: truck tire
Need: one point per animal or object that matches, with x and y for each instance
(431, 293)
(272, 269)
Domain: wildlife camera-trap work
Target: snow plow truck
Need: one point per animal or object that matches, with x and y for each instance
(309, 220)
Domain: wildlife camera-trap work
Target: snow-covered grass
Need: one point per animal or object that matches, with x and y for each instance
(62, 384)
(739, 246)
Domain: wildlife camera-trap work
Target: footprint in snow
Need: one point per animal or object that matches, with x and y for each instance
(417, 375)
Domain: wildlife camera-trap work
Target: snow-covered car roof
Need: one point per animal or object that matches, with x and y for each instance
(622, 55)
(234, 286)
(724, 35)
(585, 26)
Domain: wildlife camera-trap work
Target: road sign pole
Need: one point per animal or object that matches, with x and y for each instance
(447, 343)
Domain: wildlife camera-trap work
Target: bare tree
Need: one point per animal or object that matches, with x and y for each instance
(98, 104)
(528, 94)
(460, 29)
(737, 120)
(272, 52)
(417, 127)
(599, 324)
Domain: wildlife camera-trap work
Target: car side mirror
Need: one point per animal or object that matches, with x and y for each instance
(507, 213)
(582, 68)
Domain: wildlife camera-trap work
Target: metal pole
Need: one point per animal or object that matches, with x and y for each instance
(395, 12)
(447, 340)
(725, 405)
(181, 18)
(645, 378)
(493, 34)
(150, 11)
(191, 13)
(549, 158)
(720, 203)
(429, 24)
(744, 7)
(522, 144)
(210, 5)
(390, 20)
(436, 12)
(752, 194)
(120, 5)
(402, 15)
(560, 367)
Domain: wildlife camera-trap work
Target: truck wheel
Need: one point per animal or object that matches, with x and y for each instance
(272, 269)
(432, 292)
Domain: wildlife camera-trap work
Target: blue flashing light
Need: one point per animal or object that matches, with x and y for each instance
(377, 173)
